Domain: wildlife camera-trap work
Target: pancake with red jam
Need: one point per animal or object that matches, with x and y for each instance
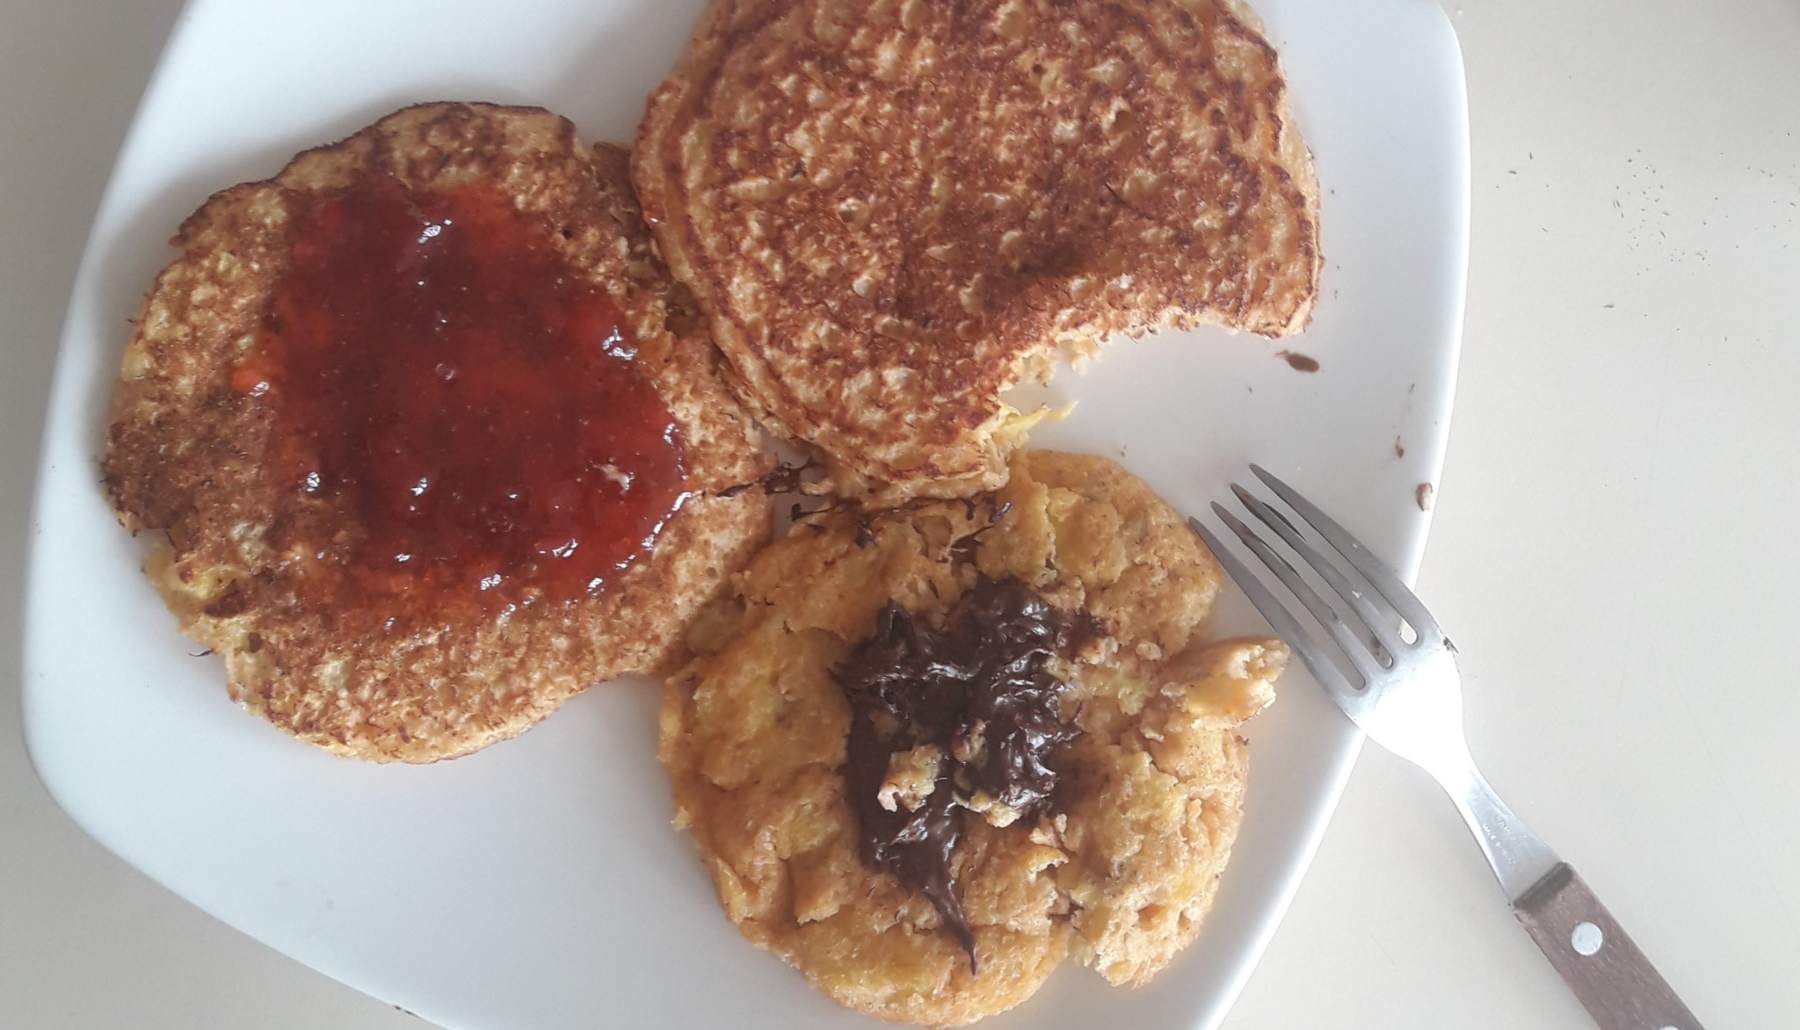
(432, 442)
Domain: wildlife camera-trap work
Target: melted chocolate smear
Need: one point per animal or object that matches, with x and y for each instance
(785, 479)
(914, 846)
(963, 550)
(981, 691)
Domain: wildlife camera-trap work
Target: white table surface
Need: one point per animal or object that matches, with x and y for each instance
(1608, 550)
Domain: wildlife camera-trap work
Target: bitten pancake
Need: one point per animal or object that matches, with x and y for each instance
(1116, 858)
(893, 211)
(281, 571)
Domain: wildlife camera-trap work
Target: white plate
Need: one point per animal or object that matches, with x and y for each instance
(538, 884)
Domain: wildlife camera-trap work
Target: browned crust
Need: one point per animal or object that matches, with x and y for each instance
(893, 213)
(185, 454)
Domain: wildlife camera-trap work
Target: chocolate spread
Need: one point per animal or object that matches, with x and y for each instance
(979, 690)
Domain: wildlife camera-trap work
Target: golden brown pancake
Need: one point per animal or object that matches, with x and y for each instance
(1116, 865)
(893, 211)
(261, 426)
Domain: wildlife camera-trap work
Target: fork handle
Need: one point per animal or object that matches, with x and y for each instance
(1597, 958)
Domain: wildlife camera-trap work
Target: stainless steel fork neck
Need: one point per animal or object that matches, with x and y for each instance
(1518, 857)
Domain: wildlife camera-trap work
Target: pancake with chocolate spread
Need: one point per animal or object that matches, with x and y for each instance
(928, 753)
(431, 438)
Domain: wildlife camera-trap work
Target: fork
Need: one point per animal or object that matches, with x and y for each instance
(1394, 674)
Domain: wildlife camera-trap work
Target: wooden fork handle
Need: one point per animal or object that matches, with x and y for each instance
(1596, 957)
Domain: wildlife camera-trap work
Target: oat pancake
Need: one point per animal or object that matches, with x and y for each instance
(570, 413)
(893, 211)
(1109, 851)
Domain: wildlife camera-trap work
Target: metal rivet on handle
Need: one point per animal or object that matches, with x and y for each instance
(1586, 940)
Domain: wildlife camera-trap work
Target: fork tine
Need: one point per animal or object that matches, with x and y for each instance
(1322, 611)
(1372, 568)
(1380, 637)
(1286, 626)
